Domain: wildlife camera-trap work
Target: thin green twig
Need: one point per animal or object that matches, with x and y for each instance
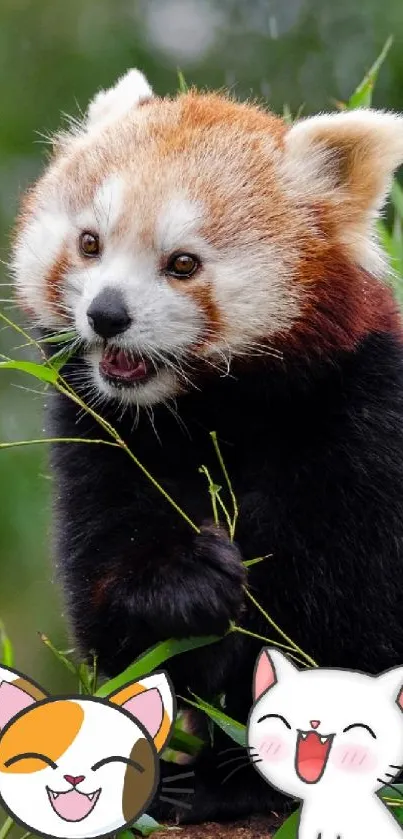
(63, 387)
(242, 631)
(280, 631)
(15, 443)
(249, 562)
(213, 435)
(213, 492)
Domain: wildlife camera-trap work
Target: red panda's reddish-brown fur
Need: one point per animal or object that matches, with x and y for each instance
(290, 293)
(205, 129)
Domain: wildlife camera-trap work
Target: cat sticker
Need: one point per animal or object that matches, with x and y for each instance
(75, 767)
(330, 738)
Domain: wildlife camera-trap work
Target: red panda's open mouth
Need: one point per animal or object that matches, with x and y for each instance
(123, 368)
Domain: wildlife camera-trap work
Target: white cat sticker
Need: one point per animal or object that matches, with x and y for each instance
(79, 766)
(330, 738)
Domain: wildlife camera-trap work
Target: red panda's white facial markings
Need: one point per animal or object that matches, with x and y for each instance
(280, 221)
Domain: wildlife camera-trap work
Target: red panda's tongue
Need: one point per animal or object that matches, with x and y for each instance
(119, 364)
(311, 757)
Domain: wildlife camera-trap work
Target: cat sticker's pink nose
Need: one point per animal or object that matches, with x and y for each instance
(315, 723)
(74, 779)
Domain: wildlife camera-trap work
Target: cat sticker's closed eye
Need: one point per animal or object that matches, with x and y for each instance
(89, 765)
(275, 716)
(360, 725)
(30, 756)
(117, 759)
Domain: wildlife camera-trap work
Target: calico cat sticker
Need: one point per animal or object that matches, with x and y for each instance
(79, 766)
(331, 738)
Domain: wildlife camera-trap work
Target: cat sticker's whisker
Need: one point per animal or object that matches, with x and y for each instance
(245, 758)
(238, 768)
(179, 789)
(181, 777)
(175, 802)
(235, 749)
(391, 786)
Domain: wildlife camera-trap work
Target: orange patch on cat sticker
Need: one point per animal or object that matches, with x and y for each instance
(126, 693)
(48, 729)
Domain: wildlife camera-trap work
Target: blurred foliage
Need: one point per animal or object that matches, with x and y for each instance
(53, 57)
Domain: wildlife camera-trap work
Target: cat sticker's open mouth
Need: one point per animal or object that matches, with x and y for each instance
(311, 755)
(73, 806)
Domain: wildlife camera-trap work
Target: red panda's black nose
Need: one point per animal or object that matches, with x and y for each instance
(108, 314)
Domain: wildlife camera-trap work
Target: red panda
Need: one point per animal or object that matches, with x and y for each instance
(222, 272)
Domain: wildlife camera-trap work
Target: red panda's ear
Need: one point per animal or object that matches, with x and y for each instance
(112, 104)
(346, 160)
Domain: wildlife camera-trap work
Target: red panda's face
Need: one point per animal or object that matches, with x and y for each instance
(177, 233)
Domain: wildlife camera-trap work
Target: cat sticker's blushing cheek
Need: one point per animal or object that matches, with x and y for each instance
(273, 748)
(354, 758)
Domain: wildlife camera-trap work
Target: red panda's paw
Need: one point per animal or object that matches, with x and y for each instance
(224, 575)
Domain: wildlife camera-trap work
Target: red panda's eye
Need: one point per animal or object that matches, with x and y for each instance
(89, 244)
(182, 265)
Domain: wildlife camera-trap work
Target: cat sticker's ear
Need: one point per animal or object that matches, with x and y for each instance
(271, 667)
(152, 702)
(17, 692)
(392, 684)
(110, 105)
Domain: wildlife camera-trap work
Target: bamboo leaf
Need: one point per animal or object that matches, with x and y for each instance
(145, 825)
(40, 371)
(288, 830)
(60, 358)
(182, 82)
(61, 338)
(152, 659)
(6, 647)
(362, 96)
(396, 195)
(232, 728)
(181, 741)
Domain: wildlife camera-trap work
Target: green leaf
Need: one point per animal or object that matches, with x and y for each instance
(60, 358)
(362, 96)
(146, 825)
(232, 728)
(181, 741)
(61, 338)
(288, 830)
(182, 82)
(396, 195)
(6, 648)
(152, 659)
(40, 371)
(287, 115)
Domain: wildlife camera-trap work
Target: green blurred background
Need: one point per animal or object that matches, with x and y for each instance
(53, 57)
